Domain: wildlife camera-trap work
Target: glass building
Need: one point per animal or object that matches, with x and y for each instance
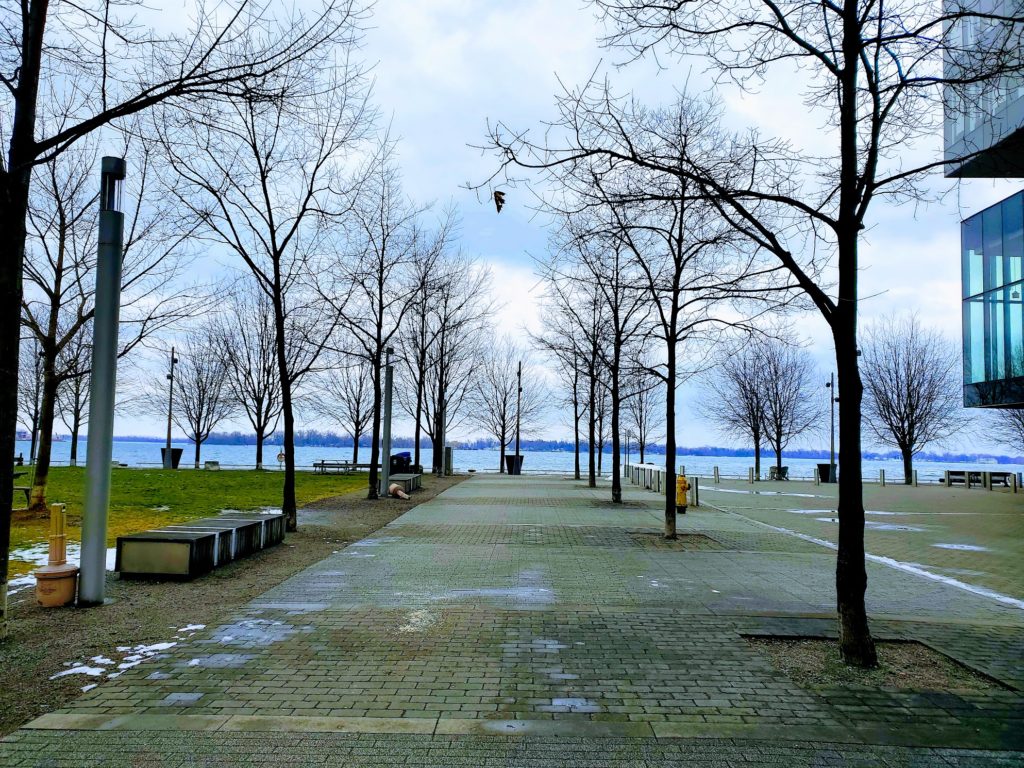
(992, 257)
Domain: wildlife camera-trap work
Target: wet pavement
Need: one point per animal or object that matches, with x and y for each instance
(510, 615)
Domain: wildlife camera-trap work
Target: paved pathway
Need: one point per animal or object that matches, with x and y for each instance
(525, 621)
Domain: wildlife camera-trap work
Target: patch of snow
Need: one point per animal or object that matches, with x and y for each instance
(89, 687)
(80, 669)
(963, 547)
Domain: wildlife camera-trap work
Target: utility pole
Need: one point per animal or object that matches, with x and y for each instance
(385, 459)
(831, 386)
(92, 586)
(168, 459)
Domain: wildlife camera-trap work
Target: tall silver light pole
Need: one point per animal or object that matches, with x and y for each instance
(92, 584)
(168, 460)
(385, 459)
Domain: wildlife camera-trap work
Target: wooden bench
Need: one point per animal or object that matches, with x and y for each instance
(323, 466)
(777, 473)
(26, 489)
(409, 482)
(978, 478)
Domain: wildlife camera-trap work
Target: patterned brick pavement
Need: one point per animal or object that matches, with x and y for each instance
(534, 608)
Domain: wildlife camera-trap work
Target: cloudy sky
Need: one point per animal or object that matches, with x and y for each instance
(444, 68)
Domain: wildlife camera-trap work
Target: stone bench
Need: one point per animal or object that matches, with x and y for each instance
(409, 482)
(187, 550)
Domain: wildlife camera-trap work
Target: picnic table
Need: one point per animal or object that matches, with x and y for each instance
(26, 489)
(343, 466)
(977, 477)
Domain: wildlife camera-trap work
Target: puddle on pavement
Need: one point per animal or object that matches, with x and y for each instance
(963, 547)
(255, 632)
(767, 493)
(874, 525)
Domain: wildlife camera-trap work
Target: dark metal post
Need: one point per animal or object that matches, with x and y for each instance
(168, 460)
(92, 586)
(519, 401)
(831, 386)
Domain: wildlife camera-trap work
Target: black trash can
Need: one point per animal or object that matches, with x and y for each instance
(824, 475)
(400, 463)
(514, 464)
(175, 456)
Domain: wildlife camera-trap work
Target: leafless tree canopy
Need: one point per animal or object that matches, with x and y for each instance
(494, 399)
(734, 397)
(790, 400)
(343, 395)
(912, 391)
(202, 394)
(1007, 426)
(245, 333)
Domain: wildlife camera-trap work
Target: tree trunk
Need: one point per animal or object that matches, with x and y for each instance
(670, 440)
(501, 457)
(616, 471)
(15, 177)
(76, 424)
(355, 449)
(199, 447)
(908, 466)
(576, 427)
(37, 499)
(592, 437)
(259, 449)
(778, 452)
(419, 417)
(288, 504)
(757, 455)
(856, 646)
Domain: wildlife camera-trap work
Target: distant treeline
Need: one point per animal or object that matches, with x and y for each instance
(318, 438)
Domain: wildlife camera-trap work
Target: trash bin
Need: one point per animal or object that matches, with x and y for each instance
(514, 464)
(400, 462)
(175, 456)
(824, 475)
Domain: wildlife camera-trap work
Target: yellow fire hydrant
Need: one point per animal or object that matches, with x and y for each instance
(682, 488)
(57, 582)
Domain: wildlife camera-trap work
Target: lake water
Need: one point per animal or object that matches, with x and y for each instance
(141, 454)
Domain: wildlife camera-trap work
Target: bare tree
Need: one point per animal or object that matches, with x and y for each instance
(245, 333)
(734, 395)
(877, 75)
(30, 385)
(789, 403)
(69, 73)
(912, 387)
(495, 407)
(1007, 427)
(202, 395)
(73, 395)
(344, 396)
(59, 299)
(383, 239)
(643, 414)
(267, 183)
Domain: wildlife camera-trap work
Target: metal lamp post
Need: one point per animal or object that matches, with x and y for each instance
(831, 387)
(92, 585)
(168, 459)
(385, 459)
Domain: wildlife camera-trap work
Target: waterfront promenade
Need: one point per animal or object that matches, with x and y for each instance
(529, 622)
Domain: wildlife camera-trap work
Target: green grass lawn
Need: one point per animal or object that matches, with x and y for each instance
(141, 499)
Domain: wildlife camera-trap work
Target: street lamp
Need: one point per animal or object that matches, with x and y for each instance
(385, 459)
(830, 385)
(168, 460)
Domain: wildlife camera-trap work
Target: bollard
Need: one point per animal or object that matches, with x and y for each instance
(967, 480)
(817, 477)
(986, 480)
(718, 478)
(881, 477)
(1013, 482)
(945, 479)
(695, 488)
(750, 475)
(57, 582)
(682, 469)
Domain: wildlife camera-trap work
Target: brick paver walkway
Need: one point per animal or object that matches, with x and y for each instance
(527, 621)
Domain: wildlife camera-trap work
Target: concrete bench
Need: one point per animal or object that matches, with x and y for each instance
(211, 465)
(409, 482)
(188, 550)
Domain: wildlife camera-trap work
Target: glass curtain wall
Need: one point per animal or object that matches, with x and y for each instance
(992, 257)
